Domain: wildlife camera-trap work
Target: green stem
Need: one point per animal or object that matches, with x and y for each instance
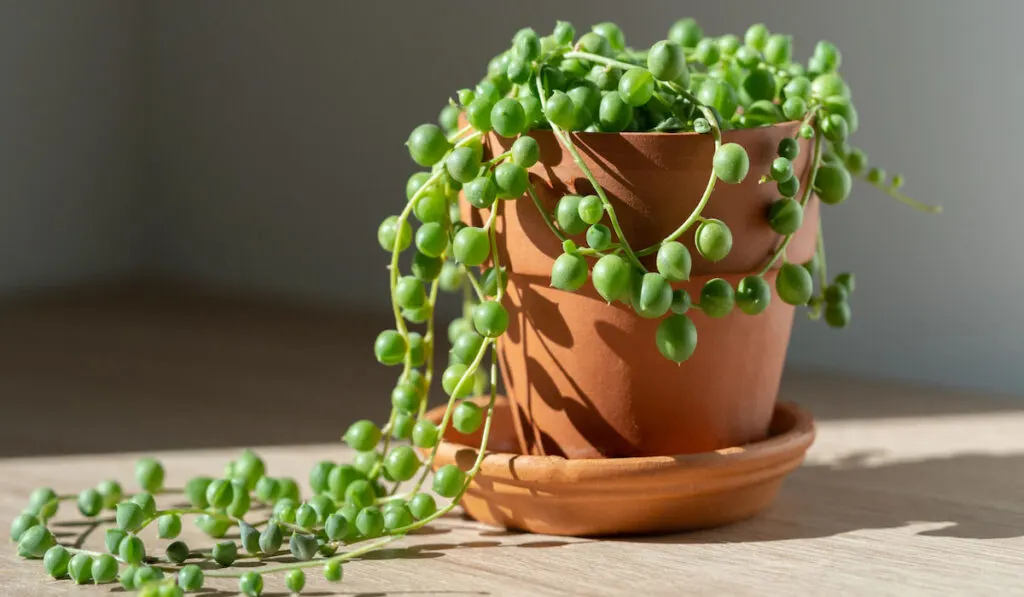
(566, 141)
(496, 262)
(695, 215)
(601, 60)
(815, 163)
(897, 195)
(544, 214)
(822, 265)
(307, 564)
(428, 346)
(482, 450)
(470, 370)
(184, 511)
(477, 289)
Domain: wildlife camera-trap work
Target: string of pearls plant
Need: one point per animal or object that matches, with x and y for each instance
(561, 83)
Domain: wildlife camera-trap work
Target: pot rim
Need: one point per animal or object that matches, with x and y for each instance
(678, 134)
(796, 435)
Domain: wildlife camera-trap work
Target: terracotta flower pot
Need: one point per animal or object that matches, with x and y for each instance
(585, 378)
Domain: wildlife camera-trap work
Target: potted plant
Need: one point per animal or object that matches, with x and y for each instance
(631, 231)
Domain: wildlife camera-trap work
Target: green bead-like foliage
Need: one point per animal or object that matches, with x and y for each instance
(370, 522)
(599, 237)
(785, 216)
(508, 118)
(390, 347)
(422, 505)
(731, 163)
(611, 277)
(471, 246)
(674, 261)
(717, 298)
(191, 578)
(686, 32)
(362, 435)
(359, 493)
(651, 295)
(22, 523)
(131, 550)
(511, 180)
(56, 560)
(614, 114)
(90, 502)
(295, 581)
(111, 493)
(251, 584)
(713, 239)
(456, 382)
(676, 338)
(303, 547)
(837, 315)
(481, 192)
(449, 480)
(402, 463)
(248, 469)
(214, 526)
(195, 491)
(667, 61)
(43, 503)
(590, 209)
(569, 272)
(305, 516)
(525, 151)
(168, 526)
(333, 571)
(636, 86)
(467, 417)
(463, 163)
(249, 537)
(271, 538)
(490, 319)
(427, 144)
(129, 516)
(753, 295)
(832, 184)
(149, 474)
(392, 235)
(225, 552)
(424, 434)
(847, 281)
(104, 569)
(146, 502)
(177, 552)
(220, 493)
(567, 215)
(789, 148)
(793, 284)
(80, 568)
(718, 95)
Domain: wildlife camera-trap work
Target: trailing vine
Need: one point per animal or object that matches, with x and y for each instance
(560, 83)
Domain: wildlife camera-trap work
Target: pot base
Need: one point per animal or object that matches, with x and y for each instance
(623, 496)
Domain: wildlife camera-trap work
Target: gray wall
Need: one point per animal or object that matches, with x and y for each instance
(69, 145)
(274, 144)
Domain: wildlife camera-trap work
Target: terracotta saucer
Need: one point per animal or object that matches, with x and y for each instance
(623, 496)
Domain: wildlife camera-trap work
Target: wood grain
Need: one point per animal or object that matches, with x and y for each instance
(907, 491)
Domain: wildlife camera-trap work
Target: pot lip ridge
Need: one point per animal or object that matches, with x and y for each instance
(675, 134)
(786, 445)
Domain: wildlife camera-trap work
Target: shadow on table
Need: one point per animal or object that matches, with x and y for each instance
(977, 496)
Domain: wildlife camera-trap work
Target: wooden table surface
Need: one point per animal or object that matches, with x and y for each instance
(907, 490)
